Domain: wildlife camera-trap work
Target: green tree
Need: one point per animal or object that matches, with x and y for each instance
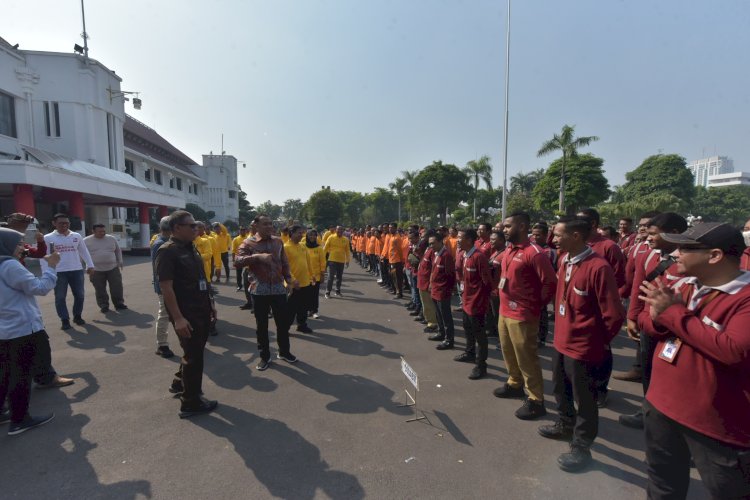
(398, 186)
(662, 173)
(633, 208)
(730, 204)
(247, 211)
(292, 209)
(586, 184)
(409, 176)
(270, 209)
(199, 213)
(354, 203)
(382, 206)
(568, 145)
(440, 187)
(524, 183)
(231, 226)
(324, 208)
(479, 171)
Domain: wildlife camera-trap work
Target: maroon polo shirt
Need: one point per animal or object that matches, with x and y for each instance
(477, 283)
(443, 276)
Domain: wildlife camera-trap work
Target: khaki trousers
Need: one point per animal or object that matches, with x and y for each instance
(428, 308)
(518, 340)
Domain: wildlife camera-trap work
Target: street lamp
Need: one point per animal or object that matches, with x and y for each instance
(114, 94)
(505, 141)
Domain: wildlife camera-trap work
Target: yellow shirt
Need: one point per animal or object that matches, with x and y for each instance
(317, 258)
(153, 238)
(215, 250)
(337, 248)
(224, 239)
(299, 262)
(237, 242)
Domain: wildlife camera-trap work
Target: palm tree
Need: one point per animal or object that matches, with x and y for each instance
(479, 170)
(569, 145)
(409, 176)
(398, 186)
(522, 183)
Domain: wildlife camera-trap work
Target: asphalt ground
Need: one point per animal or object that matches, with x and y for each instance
(329, 426)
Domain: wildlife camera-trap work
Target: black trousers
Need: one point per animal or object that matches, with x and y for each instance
(604, 372)
(225, 261)
(575, 386)
(385, 272)
(190, 373)
(724, 469)
(16, 365)
(544, 325)
(493, 316)
(44, 373)
(262, 304)
(476, 337)
(397, 277)
(335, 270)
(298, 304)
(315, 298)
(646, 351)
(239, 271)
(444, 318)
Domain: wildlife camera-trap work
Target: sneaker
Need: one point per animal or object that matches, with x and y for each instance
(262, 365)
(205, 406)
(289, 357)
(436, 337)
(479, 371)
(634, 421)
(415, 312)
(246, 306)
(327, 295)
(316, 316)
(507, 391)
(304, 329)
(78, 320)
(4, 417)
(444, 346)
(632, 375)
(104, 310)
(27, 423)
(466, 357)
(164, 351)
(337, 294)
(239, 289)
(558, 430)
(57, 382)
(176, 388)
(602, 397)
(65, 324)
(419, 318)
(121, 307)
(577, 459)
(531, 410)
(431, 329)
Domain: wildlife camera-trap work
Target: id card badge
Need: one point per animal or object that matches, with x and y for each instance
(502, 283)
(670, 350)
(562, 309)
(202, 285)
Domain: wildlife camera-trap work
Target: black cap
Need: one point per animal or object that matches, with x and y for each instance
(709, 235)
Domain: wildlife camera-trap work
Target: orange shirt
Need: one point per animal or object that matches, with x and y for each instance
(395, 253)
(371, 245)
(452, 244)
(361, 243)
(386, 246)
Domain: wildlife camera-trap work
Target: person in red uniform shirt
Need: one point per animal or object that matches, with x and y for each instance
(476, 280)
(698, 402)
(497, 239)
(625, 234)
(540, 236)
(527, 285)
(588, 315)
(442, 280)
(612, 254)
(661, 266)
(745, 259)
(483, 243)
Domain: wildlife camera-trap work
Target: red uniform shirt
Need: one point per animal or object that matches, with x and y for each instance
(643, 269)
(588, 309)
(611, 253)
(707, 388)
(625, 242)
(529, 281)
(635, 256)
(496, 260)
(745, 260)
(477, 282)
(484, 246)
(424, 270)
(443, 276)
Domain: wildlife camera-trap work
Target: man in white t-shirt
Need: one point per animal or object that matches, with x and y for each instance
(73, 253)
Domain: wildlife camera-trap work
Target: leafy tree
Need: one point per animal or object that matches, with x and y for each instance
(479, 170)
(586, 184)
(524, 183)
(662, 173)
(409, 176)
(730, 204)
(568, 145)
(199, 213)
(324, 208)
(247, 212)
(441, 186)
(354, 203)
(398, 186)
(270, 209)
(292, 208)
(661, 202)
(231, 226)
(382, 207)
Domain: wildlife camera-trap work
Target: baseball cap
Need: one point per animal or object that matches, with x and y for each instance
(709, 235)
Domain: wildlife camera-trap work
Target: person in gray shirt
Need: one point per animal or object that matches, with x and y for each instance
(107, 257)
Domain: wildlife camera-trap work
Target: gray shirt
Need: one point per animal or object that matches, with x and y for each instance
(105, 252)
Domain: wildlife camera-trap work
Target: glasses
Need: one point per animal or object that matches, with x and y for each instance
(192, 226)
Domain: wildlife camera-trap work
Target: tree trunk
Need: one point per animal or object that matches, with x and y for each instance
(561, 206)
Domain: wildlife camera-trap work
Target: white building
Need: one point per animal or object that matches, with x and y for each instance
(220, 196)
(730, 179)
(713, 165)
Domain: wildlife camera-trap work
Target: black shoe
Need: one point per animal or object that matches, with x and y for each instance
(415, 312)
(602, 398)
(205, 406)
(78, 320)
(634, 421)
(239, 288)
(304, 329)
(246, 306)
(466, 357)
(531, 410)
(444, 346)
(437, 337)
(507, 391)
(289, 357)
(400, 296)
(575, 460)
(410, 306)
(558, 430)
(479, 371)
(164, 351)
(104, 310)
(423, 321)
(213, 332)
(337, 294)
(65, 325)
(121, 307)
(431, 329)
(262, 365)
(28, 423)
(419, 318)
(176, 388)
(4, 417)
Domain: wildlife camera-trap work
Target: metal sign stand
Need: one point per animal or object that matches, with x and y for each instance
(411, 375)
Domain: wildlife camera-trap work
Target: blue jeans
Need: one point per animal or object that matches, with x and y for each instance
(75, 280)
(414, 290)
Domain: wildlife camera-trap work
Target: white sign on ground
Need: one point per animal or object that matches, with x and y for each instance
(410, 373)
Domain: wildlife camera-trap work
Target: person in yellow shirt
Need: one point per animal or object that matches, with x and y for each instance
(317, 269)
(285, 235)
(236, 242)
(204, 246)
(337, 249)
(299, 300)
(215, 252)
(224, 241)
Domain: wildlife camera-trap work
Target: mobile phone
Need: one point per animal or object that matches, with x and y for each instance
(51, 248)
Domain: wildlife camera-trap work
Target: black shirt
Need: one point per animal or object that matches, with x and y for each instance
(180, 262)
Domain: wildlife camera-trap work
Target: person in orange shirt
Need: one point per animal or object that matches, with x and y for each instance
(396, 261)
(374, 251)
(385, 270)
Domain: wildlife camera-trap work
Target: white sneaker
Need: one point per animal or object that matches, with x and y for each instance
(316, 316)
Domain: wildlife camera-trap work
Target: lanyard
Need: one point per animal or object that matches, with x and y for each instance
(508, 258)
(570, 271)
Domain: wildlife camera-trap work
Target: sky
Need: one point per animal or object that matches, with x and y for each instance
(350, 93)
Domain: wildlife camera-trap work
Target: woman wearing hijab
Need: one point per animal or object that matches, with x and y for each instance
(20, 320)
(318, 267)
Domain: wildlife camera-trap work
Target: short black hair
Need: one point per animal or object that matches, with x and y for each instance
(522, 217)
(669, 222)
(60, 215)
(579, 225)
(97, 225)
(626, 219)
(591, 214)
(500, 234)
(649, 215)
(486, 225)
(294, 229)
(176, 216)
(259, 216)
(542, 226)
(470, 233)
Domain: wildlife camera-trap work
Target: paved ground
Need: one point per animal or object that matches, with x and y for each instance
(326, 427)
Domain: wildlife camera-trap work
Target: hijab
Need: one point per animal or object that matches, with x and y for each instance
(311, 242)
(9, 240)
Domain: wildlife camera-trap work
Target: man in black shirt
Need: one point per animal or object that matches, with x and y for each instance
(187, 296)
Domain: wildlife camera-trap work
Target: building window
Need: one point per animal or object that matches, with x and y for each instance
(171, 182)
(132, 214)
(233, 194)
(7, 115)
(195, 188)
(157, 176)
(147, 174)
(179, 184)
(129, 168)
(52, 118)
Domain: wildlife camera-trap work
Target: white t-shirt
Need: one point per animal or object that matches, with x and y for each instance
(72, 251)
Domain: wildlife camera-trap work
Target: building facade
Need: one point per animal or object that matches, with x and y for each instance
(706, 167)
(730, 179)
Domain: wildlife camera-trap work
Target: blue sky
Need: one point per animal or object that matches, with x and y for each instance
(349, 93)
